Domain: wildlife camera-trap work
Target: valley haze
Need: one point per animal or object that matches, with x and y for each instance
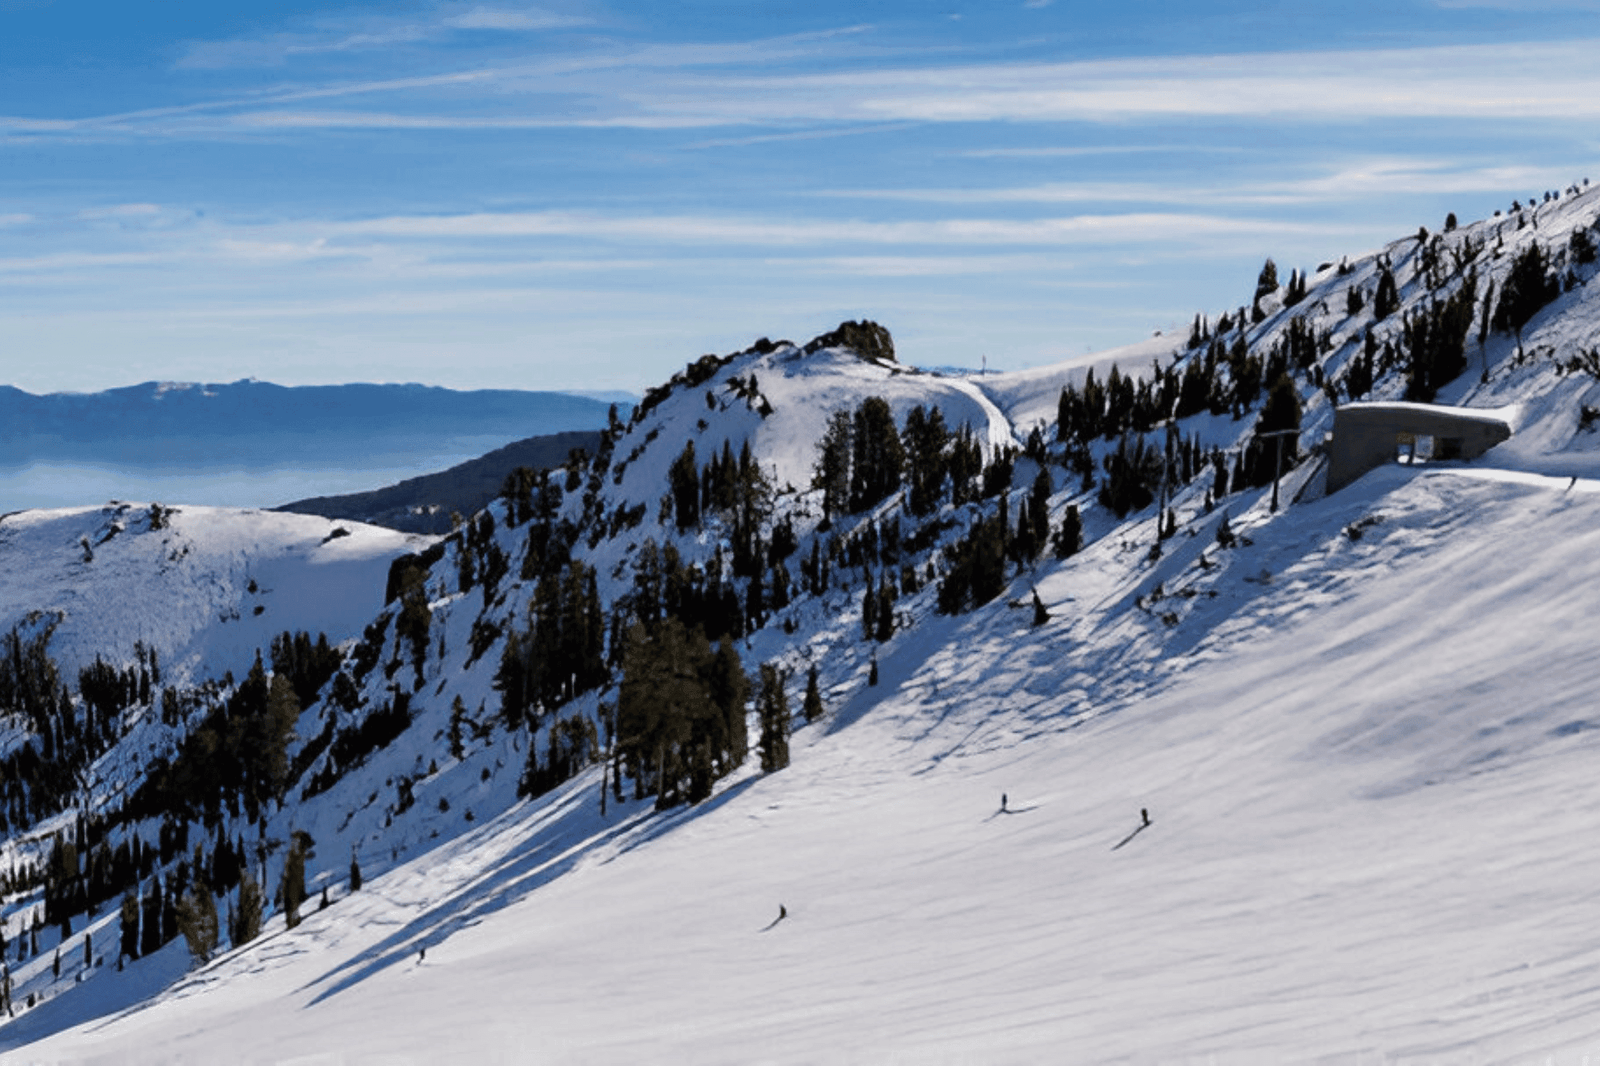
(253, 443)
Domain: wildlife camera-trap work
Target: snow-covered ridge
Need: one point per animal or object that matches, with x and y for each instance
(205, 589)
(1360, 724)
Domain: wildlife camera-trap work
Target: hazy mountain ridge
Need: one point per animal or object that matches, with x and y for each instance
(965, 706)
(258, 423)
(426, 504)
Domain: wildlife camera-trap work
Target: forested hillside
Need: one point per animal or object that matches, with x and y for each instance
(210, 738)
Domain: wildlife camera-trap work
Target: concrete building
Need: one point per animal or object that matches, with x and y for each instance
(1367, 435)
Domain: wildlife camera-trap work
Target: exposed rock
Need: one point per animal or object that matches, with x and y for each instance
(866, 338)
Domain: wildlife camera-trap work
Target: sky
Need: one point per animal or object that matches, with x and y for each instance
(586, 195)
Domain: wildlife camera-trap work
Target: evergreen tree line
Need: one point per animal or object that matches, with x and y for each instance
(479, 558)
(664, 586)
(237, 756)
(349, 746)
(680, 717)
(40, 776)
(1528, 286)
(976, 564)
(107, 691)
(735, 490)
(561, 653)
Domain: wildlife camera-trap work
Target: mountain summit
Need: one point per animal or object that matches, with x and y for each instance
(832, 709)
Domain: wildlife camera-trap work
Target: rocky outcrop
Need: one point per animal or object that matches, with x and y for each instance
(866, 338)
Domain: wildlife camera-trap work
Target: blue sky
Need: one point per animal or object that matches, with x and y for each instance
(585, 195)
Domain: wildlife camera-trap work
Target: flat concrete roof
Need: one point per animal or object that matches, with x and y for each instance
(1507, 416)
(1365, 435)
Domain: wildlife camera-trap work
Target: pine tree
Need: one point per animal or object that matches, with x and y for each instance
(729, 690)
(355, 872)
(773, 707)
(832, 471)
(1280, 412)
(877, 456)
(129, 945)
(458, 712)
(925, 440)
(1526, 289)
(1267, 280)
(1296, 290)
(150, 925)
(1225, 534)
(1387, 299)
(1069, 538)
(684, 480)
(1040, 615)
(813, 701)
(197, 922)
(247, 919)
(885, 612)
(1039, 510)
(292, 887)
(679, 713)
(1582, 247)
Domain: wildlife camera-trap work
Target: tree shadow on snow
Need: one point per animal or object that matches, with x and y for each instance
(547, 855)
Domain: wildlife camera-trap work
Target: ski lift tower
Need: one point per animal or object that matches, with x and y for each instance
(1277, 469)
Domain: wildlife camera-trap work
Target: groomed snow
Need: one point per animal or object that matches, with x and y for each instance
(1366, 737)
(1369, 765)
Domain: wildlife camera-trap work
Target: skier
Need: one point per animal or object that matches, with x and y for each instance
(783, 912)
(1144, 813)
(1003, 803)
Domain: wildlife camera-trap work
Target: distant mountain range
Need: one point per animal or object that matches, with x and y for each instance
(259, 424)
(256, 444)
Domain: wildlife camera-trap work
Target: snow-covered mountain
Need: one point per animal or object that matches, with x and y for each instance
(1362, 725)
(203, 587)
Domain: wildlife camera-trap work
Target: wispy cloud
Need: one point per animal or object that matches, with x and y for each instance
(482, 18)
(799, 135)
(1080, 151)
(765, 232)
(331, 35)
(120, 211)
(75, 261)
(1361, 180)
(1551, 79)
(670, 86)
(924, 266)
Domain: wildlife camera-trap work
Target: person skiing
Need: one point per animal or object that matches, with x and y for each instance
(1003, 803)
(1144, 813)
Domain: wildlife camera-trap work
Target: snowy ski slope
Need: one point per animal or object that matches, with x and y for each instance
(1366, 736)
(1369, 783)
(206, 590)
